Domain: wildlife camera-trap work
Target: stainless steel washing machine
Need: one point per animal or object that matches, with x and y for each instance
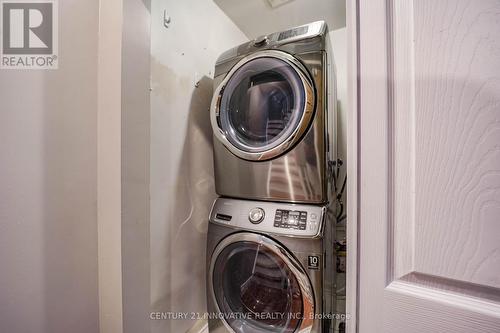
(269, 267)
(274, 119)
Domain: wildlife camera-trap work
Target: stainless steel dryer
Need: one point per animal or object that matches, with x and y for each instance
(273, 116)
(268, 268)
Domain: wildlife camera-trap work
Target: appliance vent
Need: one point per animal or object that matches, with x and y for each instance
(277, 3)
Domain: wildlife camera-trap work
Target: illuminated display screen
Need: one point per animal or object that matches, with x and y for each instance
(293, 217)
(290, 219)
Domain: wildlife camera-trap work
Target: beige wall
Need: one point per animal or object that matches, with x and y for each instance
(48, 185)
(182, 186)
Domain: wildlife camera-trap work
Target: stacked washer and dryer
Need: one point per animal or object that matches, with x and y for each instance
(270, 263)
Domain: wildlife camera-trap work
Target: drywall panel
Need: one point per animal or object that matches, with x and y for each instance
(48, 185)
(258, 17)
(182, 186)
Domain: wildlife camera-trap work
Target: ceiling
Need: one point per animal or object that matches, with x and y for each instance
(257, 17)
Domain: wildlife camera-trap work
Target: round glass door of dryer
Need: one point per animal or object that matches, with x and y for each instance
(264, 105)
(259, 287)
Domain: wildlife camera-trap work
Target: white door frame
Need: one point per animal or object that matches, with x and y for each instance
(352, 165)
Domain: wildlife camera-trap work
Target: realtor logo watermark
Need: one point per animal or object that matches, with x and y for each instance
(29, 34)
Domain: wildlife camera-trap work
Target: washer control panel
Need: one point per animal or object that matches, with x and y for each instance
(278, 218)
(295, 219)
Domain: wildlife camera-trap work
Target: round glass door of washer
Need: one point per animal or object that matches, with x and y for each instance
(258, 287)
(264, 105)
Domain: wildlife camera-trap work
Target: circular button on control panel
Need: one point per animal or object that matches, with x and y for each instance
(256, 215)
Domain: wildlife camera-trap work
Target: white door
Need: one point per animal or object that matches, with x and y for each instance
(428, 161)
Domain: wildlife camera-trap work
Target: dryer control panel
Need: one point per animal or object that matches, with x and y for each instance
(295, 220)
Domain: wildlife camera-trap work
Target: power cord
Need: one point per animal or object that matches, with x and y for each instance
(335, 167)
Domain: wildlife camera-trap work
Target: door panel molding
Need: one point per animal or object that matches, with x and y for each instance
(401, 127)
(414, 308)
(455, 287)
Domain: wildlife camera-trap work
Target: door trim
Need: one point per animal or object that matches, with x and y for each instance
(353, 82)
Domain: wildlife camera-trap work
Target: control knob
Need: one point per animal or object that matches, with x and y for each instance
(256, 215)
(260, 41)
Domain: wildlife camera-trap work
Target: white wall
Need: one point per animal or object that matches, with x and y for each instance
(48, 185)
(339, 47)
(182, 186)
